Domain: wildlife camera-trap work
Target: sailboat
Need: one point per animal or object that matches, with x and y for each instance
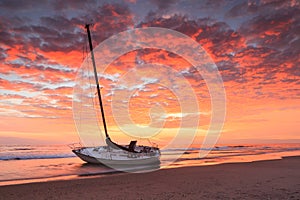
(112, 153)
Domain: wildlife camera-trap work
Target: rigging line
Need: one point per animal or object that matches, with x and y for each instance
(84, 49)
(91, 102)
(81, 110)
(149, 141)
(91, 89)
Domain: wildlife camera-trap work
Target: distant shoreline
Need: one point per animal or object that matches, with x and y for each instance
(277, 179)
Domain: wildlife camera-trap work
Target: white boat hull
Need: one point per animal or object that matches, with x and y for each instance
(109, 157)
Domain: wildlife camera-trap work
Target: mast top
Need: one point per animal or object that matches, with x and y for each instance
(88, 25)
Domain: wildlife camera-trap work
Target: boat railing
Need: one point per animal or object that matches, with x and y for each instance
(75, 146)
(153, 144)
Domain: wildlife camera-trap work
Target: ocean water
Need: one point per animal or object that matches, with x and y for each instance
(34, 163)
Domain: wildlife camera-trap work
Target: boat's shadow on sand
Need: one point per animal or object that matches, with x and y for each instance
(89, 169)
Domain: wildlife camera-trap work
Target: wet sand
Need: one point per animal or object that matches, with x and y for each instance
(275, 179)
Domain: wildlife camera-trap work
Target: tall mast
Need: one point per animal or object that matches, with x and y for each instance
(87, 26)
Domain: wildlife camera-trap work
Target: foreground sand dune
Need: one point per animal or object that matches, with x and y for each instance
(275, 179)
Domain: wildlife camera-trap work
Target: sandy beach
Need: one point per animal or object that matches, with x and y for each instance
(275, 179)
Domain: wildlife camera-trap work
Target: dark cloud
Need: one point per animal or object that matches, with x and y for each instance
(244, 7)
(213, 4)
(74, 4)
(64, 34)
(251, 8)
(230, 71)
(273, 30)
(16, 5)
(164, 4)
(7, 36)
(55, 33)
(60, 23)
(3, 54)
(225, 40)
(110, 19)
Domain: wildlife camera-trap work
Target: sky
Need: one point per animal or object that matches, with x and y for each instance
(255, 45)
